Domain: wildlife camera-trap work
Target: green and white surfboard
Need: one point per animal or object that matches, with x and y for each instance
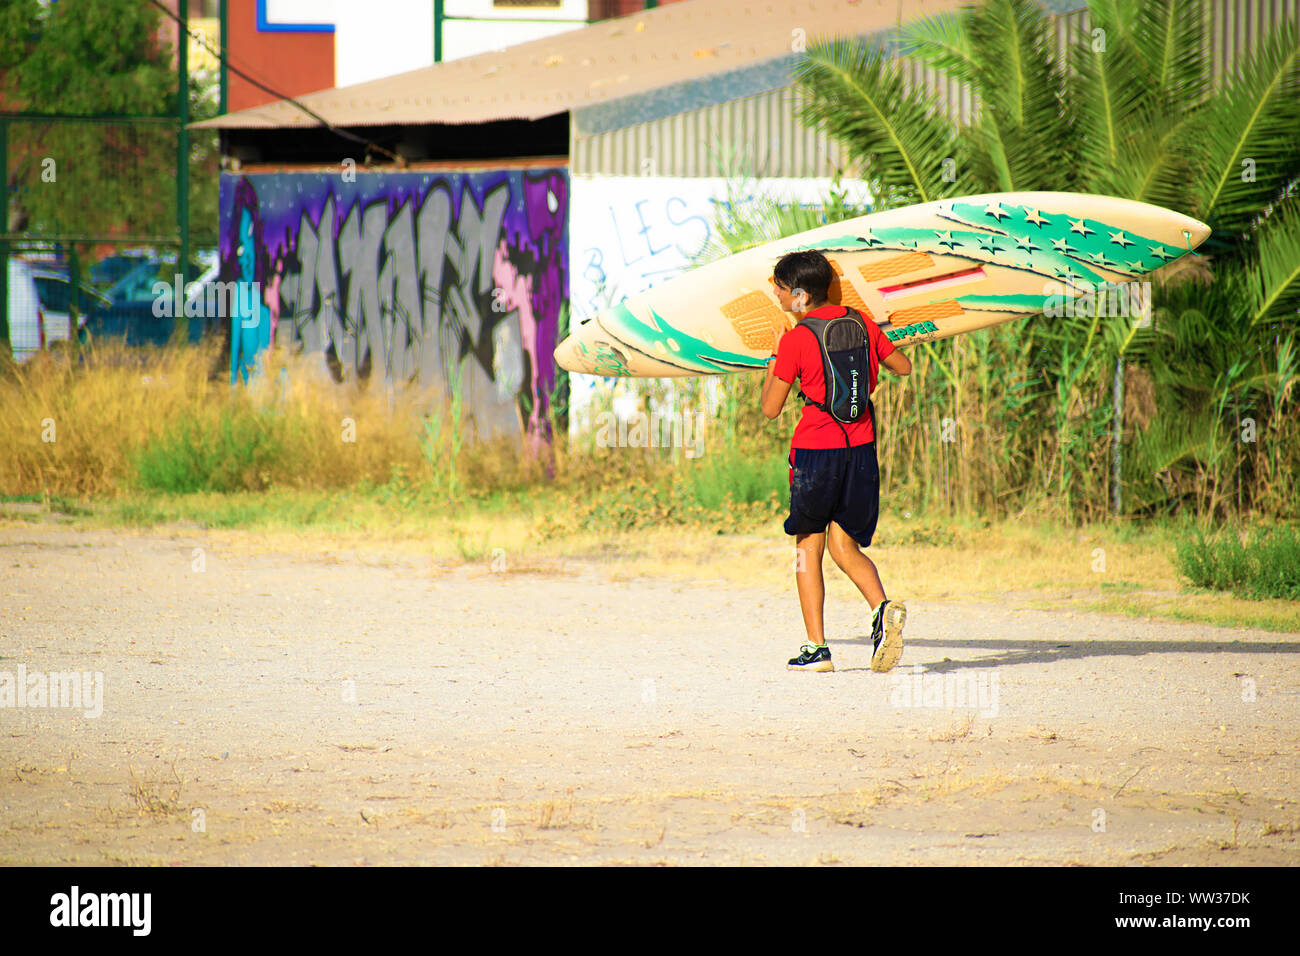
(921, 273)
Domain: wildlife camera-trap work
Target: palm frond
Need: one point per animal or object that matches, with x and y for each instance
(856, 93)
(944, 43)
(1155, 168)
(1245, 140)
(1198, 331)
(1169, 441)
(1113, 99)
(1271, 278)
(1021, 90)
(1169, 37)
(1116, 15)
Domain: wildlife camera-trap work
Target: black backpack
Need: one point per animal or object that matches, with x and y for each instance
(846, 369)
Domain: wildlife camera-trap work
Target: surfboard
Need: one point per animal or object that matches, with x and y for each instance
(921, 272)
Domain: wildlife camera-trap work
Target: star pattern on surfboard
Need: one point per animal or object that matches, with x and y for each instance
(995, 210)
(870, 238)
(1026, 243)
(1120, 239)
(1037, 218)
(1061, 245)
(944, 238)
(1158, 250)
(1079, 226)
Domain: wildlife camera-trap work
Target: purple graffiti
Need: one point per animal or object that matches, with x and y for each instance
(416, 277)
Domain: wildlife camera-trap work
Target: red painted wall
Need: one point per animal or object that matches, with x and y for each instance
(290, 63)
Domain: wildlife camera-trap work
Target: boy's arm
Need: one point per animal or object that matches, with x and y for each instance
(897, 362)
(775, 389)
(889, 356)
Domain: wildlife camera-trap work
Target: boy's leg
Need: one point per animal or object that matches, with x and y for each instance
(847, 554)
(852, 527)
(808, 580)
(814, 488)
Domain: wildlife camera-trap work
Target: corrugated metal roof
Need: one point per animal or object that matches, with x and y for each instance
(594, 65)
(762, 135)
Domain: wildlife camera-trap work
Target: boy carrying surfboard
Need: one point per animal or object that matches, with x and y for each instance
(834, 471)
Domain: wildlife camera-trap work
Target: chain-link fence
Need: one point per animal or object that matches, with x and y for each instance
(92, 237)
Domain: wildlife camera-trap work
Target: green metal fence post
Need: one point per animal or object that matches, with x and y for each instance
(224, 14)
(183, 142)
(4, 243)
(439, 14)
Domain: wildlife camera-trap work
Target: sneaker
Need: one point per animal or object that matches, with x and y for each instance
(887, 635)
(812, 657)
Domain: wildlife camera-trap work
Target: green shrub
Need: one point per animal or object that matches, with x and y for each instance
(731, 476)
(1262, 564)
(236, 449)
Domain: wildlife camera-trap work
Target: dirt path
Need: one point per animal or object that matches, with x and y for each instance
(286, 709)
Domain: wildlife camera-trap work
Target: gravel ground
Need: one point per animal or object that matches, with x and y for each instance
(296, 708)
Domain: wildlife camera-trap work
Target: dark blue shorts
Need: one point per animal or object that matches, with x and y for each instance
(835, 484)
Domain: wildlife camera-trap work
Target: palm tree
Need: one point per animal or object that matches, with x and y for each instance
(1129, 111)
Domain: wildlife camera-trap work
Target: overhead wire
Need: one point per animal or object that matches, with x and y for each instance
(222, 58)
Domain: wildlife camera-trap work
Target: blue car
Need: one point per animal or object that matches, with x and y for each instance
(142, 315)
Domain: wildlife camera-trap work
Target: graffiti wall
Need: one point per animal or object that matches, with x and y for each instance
(406, 277)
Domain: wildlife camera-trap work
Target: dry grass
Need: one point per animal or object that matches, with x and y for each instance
(74, 432)
(560, 815)
(1288, 830)
(978, 562)
(1028, 565)
(82, 431)
(288, 806)
(958, 730)
(154, 797)
(382, 493)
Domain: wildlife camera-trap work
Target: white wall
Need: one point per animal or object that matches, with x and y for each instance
(627, 233)
(302, 11)
(378, 38)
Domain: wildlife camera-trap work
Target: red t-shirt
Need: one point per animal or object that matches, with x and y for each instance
(799, 356)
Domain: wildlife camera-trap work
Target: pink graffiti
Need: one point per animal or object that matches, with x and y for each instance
(272, 297)
(515, 291)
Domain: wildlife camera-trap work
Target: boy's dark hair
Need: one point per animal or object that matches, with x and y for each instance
(808, 270)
